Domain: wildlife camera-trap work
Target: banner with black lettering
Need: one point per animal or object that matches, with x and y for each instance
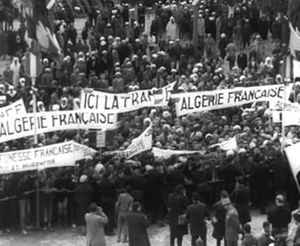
(125, 102)
(56, 155)
(23, 125)
(14, 109)
(167, 153)
(137, 146)
(191, 102)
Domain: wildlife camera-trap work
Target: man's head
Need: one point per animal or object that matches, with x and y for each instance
(136, 206)
(195, 197)
(247, 228)
(93, 207)
(266, 227)
(279, 200)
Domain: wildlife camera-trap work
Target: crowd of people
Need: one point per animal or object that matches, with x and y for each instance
(237, 46)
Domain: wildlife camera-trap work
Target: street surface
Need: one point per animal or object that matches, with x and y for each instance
(159, 236)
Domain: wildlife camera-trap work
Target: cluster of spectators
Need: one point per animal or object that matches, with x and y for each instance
(114, 54)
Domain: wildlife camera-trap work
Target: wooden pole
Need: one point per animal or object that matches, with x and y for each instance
(35, 144)
(195, 26)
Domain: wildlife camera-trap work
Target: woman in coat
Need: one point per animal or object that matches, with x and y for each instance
(95, 221)
(177, 204)
(241, 198)
(137, 226)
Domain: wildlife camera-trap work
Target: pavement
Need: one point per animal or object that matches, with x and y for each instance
(159, 236)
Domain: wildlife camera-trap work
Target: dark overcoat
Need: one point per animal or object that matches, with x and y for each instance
(137, 229)
(177, 205)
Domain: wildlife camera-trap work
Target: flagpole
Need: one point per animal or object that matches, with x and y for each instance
(35, 144)
(286, 81)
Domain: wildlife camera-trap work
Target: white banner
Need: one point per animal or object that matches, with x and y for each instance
(137, 146)
(191, 102)
(291, 118)
(289, 106)
(14, 109)
(167, 153)
(296, 68)
(229, 144)
(23, 126)
(292, 153)
(125, 102)
(56, 155)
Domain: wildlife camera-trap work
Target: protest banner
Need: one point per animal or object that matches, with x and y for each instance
(137, 146)
(23, 126)
(56, 155)
(229, 144)
(16, 108)
(125, 102)
(278, 104)
(292, 153)
(167, 153)
(288, 106)
(291, 118)
(210, 100)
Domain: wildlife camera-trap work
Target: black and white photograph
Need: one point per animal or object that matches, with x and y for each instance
(150, 122)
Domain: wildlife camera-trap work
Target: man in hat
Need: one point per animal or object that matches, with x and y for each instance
(108, 198)
(118, 83)
(232, 224)
(280, 216)
(218, 218)
(196, 216)
(84, 197)
(137, 226)
(95, 220)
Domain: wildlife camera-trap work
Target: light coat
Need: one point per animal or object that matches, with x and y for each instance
(95, 231)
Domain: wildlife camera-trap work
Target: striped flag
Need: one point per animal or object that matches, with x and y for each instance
(38, 29)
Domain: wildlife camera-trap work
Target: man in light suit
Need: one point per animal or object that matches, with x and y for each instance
(232, 224)
(95, 221)
(196, 215)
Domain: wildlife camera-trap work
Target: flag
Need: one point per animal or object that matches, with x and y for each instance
(229, 144)
(292, 153)
(294, 43)
(167, 153)
(38, 29)
(138, 145)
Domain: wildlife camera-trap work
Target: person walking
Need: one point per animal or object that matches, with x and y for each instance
(241, 199)
(232, 223)
(218, 218)
(177, 204)
(137, 226)
(95, 221)
(196, 216)
(279, 217)
(123, 206)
